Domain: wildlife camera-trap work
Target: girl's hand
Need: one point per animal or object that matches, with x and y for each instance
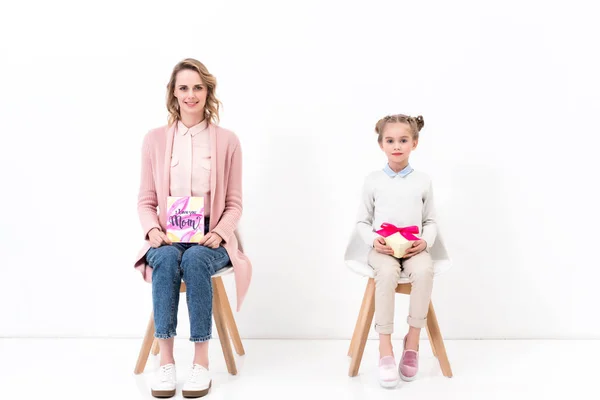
(211, 239)
(157, 238)
(417, 247)
(381, 247)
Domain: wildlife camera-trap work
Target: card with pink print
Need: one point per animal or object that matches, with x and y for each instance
(185, 219)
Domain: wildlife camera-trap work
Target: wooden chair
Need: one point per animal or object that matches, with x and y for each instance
(365, 318)
(224, 322)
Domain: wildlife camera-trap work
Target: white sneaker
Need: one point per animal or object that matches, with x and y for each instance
(198, 382)
(164, 382)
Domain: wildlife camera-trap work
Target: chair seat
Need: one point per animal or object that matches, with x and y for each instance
(365, 270)
(224, 271)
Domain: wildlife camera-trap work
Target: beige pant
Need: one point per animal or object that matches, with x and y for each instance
(419, 270)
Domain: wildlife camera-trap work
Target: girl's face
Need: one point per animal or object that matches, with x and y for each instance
(397, 143)
(191, 93)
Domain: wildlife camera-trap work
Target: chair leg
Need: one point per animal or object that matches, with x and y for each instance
(218, 314)
(228, 317)
(355, 334)
(155, 347)
(146, 346)
(431, 342)
(364, 325)
(436, 339)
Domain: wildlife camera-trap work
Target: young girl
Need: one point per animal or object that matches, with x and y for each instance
(191, 156)
(400, 196)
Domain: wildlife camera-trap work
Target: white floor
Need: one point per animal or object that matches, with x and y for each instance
(293, 369)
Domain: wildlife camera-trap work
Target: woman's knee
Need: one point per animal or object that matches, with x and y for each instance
(196, 254)
(197, 260)
(163, 257)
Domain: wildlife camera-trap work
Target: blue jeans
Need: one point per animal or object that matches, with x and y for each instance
(195, 264)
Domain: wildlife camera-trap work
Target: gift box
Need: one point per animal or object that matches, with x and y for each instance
(185, 219)
(399, 239)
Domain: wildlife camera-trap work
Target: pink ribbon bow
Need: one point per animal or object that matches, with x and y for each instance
(408, 232)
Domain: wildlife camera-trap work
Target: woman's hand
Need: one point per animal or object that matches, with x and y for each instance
(157, 238)
(211, 239)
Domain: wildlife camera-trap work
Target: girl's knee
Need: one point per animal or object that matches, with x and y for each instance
(422, 272)
(387, 273)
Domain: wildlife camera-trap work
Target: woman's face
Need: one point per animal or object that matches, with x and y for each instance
(191, 93)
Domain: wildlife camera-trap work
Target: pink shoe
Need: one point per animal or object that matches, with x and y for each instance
(409, 364)
(388, 376)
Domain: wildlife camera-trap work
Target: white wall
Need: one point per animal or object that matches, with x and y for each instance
(509, 93)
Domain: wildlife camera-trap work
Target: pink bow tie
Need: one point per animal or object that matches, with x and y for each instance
(407, 232)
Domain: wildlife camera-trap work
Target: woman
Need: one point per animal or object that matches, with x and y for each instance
(191, 156)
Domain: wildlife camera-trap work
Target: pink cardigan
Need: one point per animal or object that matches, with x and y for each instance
(226, 196)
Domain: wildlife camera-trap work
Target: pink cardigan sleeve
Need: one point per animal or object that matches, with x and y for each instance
(233, 197)
(147, 199)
